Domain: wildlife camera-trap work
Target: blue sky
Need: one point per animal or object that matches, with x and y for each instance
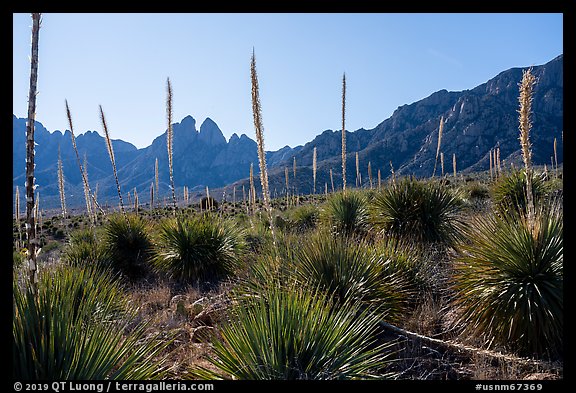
(121, 61)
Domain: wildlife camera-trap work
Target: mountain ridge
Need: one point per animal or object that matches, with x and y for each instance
(476, 120)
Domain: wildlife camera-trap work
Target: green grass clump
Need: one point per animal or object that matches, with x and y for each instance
(426, 212)
(346, 213)
(75, 328)
(290, 333)
(128, 243)
(85, 249)
(509, 192)
(304, 218)
(350, 271)
(509, 280)
(198, 248)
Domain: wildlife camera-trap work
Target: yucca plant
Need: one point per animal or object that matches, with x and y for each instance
(410, 264)
(350, 271)
(76, 328)
(292, 333)
(346, 213)
(418, 211)
(128, 242)
(509, 191)
(303, 218)
(198, 248)
(509, 280)
(85, 249)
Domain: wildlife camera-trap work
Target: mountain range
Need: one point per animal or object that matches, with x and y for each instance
(476, 121)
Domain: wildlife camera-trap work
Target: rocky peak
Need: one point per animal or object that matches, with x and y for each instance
(211, 134)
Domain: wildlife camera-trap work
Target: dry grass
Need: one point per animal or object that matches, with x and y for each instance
(184, 313)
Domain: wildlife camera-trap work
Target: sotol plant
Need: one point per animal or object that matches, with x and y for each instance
(509, 191)
(198, 248)
(509, 280)
(346, 213)
(77, 327)
(295, 334)
(128, 241)
(418, 211)
(350, 272)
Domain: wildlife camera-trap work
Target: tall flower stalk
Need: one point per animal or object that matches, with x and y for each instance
(87, 192)
(151, 196)
(244, 199)
(257, 114)
(252, 190)
(61, 184)
(555, 159)
(136, 201)
(85, 183)
(370, 174)
(525, 98)
(358, 176)
(170, 136)
(440, 129)
(454, 164)
(30, 227)
(314, 169)
(491, 173)
(112, 159)
(498, 166)
(442, 163)
(332, 180)
(344, 132)
(287, 184)
(156, 178)
(295, 194)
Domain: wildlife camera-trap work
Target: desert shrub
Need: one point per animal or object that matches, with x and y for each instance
(292, 333)
(198, 248)
(509, 280)
(350, 271)
(509, 192)
(346, 213)
(477, 190)
(127, 240)
(418, 211)
(85, 249)
(304, 218)
(75, 328)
